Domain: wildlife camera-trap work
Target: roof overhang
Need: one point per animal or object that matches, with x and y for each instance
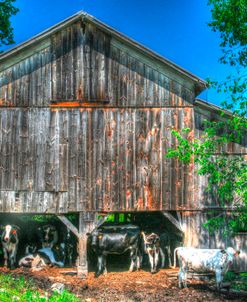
(209, 107)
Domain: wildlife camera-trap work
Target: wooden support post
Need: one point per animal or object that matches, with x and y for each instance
(174, 221)
(87, 223)
(69, 225)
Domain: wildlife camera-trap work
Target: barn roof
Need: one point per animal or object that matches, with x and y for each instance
(211, 107)
(200, 84)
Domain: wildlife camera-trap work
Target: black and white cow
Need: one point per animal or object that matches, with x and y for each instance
(43, 257)
(154, 251)
(10, 241)
(31, 248)
(68, 247)
(53, 255)
(168, 242)
(116, 240)
(203, 260)
(48, 236)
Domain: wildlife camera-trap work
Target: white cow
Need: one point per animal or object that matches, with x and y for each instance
(203, 260)
(10, 240)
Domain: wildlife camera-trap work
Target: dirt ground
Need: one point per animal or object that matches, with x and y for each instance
(125, 286)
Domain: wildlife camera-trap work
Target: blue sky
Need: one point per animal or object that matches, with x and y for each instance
(176, 29)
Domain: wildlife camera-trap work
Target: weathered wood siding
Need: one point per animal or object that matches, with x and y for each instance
(107, 153)
(81, 63)
(92, 159)
(201, 195)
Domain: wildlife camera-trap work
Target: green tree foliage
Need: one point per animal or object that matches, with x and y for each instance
(229, 18)
(226, 174)
(7, 10)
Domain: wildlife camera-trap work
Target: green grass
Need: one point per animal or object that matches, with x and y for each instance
(18, 289)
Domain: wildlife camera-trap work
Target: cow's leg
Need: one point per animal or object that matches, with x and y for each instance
(162, 256)
(5, 256)
(218, 277)
(168, 248)
(151, 260)
(104, 264)
(180, 277)
(182, 274)
(70, 259)
(185, 269)
(168, 254)
(133, 257)
(12, 257)
(100, 266)
(139, 260)
(12, 261)
(156, 259)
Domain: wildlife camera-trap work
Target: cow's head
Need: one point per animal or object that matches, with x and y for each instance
(231, 252)
(10, 233)
(96, 237)
(47, 233)
(151, 242)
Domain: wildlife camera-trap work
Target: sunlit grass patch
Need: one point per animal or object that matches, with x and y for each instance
(22, 290)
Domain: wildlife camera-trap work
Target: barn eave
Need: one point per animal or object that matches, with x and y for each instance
(202, 104)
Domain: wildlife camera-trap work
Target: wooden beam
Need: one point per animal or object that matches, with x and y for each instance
(173, 220)
(87, 223)
(69, 225)
(101, 221)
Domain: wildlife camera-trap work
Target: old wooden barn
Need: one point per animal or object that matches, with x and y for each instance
(85, 122)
